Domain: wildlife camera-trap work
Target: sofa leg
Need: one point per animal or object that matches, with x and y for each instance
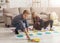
(7, 25)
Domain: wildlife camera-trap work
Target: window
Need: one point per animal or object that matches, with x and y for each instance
(36, 3)
(40, 3)
(20, 3)
(44, 3)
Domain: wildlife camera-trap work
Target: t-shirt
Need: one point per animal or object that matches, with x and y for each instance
(19, 19)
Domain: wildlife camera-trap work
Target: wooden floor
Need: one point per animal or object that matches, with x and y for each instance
(7, 36)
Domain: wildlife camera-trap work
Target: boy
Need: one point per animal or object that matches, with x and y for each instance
(20, 22)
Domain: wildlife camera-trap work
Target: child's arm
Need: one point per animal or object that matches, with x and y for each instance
(27, 34)
(33, 40)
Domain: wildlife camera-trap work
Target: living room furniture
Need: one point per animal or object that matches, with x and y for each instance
(10, 13)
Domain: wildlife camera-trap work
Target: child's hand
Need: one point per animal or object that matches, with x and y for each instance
(34, 40)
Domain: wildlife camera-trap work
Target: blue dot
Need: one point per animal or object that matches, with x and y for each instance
(31, 34)
(20, 36)
(39, 33)
(47, 32)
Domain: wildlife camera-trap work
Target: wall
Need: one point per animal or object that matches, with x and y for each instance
(48, 10)
(45, 5)
(20, 3)
(56, 9)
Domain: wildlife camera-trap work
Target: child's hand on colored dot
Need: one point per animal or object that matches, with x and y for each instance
(35, 40)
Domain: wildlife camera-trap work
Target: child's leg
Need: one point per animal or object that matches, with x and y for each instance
(41, 24)
(37, 27)
(51, 23)
(16, 30)
(46, 23)
(27, 34)
(23, 29)
(19, 26)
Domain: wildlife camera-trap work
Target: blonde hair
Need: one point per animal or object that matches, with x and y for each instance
(36, 14)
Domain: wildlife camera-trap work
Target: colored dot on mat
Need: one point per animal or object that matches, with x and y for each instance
(36, 39)
(20, 36)
(55, 32)
(47, 32)
(31, 34)
(39, 33)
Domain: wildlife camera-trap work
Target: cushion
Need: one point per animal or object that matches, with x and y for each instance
(11, 10)
(53, 16)
(37, 10)
(56, 23)
(44, 17)
(24, 8)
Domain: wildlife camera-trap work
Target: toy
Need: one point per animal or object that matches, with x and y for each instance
(35, 40)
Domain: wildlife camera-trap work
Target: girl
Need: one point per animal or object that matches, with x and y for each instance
(38, 23)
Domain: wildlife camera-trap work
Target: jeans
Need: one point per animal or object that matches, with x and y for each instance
(49, 22)
(20, 26)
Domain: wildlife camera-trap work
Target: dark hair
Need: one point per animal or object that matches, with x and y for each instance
(25, 11)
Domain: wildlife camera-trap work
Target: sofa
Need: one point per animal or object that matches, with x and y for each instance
(10, 13)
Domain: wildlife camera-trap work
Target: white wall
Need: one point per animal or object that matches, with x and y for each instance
(54, 3)
(20, 3)
(44, 3)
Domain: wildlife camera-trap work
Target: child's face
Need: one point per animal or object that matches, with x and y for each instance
(34, 15)
(25, 16)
